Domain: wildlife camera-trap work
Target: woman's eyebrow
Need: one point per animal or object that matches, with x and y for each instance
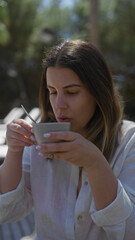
(67, 86)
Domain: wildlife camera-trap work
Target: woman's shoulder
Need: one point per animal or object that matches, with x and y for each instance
(127, 127)
(127, 133)
(126, 144)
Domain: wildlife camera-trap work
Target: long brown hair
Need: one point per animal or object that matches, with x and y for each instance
(89, 64)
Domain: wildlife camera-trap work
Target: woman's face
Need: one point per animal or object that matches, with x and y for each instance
(69, 98)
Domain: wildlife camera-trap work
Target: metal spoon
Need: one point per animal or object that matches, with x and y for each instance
(28, 114)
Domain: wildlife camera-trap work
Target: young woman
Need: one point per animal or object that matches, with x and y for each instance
(86, 191)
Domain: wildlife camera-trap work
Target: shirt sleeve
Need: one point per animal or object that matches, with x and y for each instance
(114, 212)
(118, 218)
(17, 203)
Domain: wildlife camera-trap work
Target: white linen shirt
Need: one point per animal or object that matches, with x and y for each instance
(51, 188)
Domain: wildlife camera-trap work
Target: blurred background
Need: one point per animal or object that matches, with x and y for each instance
(28, 28)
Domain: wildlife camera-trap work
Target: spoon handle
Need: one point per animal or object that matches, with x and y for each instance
(28, 114)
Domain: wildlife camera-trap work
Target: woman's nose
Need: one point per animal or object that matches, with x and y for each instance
(61, 101)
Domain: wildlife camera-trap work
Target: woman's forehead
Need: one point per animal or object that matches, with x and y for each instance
(64, 76)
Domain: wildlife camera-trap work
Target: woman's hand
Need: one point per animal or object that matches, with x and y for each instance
(19, 135)
(73, 148)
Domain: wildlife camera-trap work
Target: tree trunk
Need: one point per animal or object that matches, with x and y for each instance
(94, 5)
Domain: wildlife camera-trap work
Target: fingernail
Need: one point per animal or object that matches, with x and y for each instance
(38, 147)
(47, 135)
(32, 130)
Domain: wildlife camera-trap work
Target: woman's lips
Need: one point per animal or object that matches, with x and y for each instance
(64, 119)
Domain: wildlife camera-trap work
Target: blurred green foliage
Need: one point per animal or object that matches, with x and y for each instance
(22, 45)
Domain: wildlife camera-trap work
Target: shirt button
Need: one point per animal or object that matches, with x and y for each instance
(85, 183)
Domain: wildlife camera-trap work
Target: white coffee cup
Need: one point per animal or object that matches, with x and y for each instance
(41, 128)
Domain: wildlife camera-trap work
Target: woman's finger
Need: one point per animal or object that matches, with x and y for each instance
(19, 137)
(66, 156)
(17, 128)
(64, 136)
(23, 123)
(55, 147)
(17, 142)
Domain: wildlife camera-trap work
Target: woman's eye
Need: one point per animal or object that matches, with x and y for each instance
(52, 93)
(72, 93)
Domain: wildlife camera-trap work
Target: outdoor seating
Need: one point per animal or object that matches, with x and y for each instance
(14, 113)
(35, 114)
(2, 136)
(3, 152)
